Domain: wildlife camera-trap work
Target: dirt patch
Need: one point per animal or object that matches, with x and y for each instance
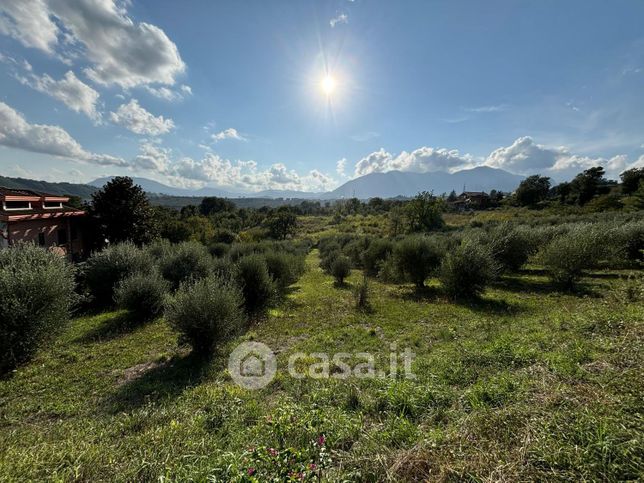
(134, 372)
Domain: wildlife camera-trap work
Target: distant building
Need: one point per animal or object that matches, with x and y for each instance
(28, 216)
(471, 200)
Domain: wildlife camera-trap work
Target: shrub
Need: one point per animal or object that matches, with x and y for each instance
(377, 252)
(388, 271)
(218, 250)
(341, 269)
(629, 241)
(36, 295)
(284, 268)
(417, 257)
(159, 249)
(224, 269)
(103, 270)
(188, 260)
(354, 251)
(257, 285)
(466, 270)
(361, 294)
(142, 294)
(510, 247)
(567, 256)
(206, 312)
(326, 261)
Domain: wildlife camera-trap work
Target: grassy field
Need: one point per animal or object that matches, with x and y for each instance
(526, 384)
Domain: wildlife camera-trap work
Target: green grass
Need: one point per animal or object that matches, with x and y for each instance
(525, 384)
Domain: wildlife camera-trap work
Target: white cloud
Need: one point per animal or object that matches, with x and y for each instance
(136, 119)
(230, 133)
(122, 52)
(421, 160)
(340, 167)
(524, 156)
(168, 94)
(16, 132)
(29, 22)
(491, 108)
(70, 90)
(340, 18)
(152, 158)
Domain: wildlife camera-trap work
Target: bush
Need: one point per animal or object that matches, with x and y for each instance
(567, 256)
(36, 295)
(206, 312)
(467, 270)
(218, 250)
(257, 285)
(629, 241)
(224, 269)
(284, 268)
(377, 252)
(142, 294)
(510, 247)
(341, 269)
(159, 249)
(105, 269)
(188, 260)
(361, 294)
(417, 257)
(326, 261)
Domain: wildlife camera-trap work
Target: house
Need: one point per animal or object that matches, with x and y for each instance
(470, 200)
(40, 218)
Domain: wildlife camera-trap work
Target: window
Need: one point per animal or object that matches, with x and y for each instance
(62, 236)
(17, 205)
(41, 239)
(52, 204)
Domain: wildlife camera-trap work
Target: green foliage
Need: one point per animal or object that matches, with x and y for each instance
(467, 270)
(631, 180)
(424, 212)
(143, 295)
(588, 184)
(510, 246)
(211, 205)
(121, 212)
(284, 268)
(532, 190)
(257, 285)
(378, 251)
(104, 269)
(218, 250)
(341, 269)
(188, 260)
(281, 224)
(568, 255)
(417, 257)
(206, 312)
(361, 294)
(36, 295)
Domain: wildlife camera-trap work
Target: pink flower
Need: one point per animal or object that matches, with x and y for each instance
(313, 466)
(251, 471)
(321, 440)
(272, 451)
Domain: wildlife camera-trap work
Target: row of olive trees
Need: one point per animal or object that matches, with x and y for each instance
(204, 297)
(466, 262)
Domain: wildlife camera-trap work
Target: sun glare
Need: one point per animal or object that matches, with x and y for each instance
(328, 84)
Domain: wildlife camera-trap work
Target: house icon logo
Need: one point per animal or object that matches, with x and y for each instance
(252, 365)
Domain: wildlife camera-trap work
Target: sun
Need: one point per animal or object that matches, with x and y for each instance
(328, 85)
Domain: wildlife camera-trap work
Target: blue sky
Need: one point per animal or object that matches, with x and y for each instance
(228, 93)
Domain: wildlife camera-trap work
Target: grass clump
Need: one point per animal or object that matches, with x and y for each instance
(467, 270)
(143, 295)
(36, 295)
(206, 312)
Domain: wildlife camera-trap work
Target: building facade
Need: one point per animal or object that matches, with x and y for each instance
(43, 219)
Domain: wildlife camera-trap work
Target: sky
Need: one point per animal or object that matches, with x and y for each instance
(306, 95)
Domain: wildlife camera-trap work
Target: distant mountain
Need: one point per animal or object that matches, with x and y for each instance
(398, 183)
(152, 186)
(82, 190)
(301, 195)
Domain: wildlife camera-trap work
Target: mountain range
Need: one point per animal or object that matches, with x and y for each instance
(383, 185)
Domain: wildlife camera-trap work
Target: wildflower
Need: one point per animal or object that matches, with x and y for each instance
(272, 451)
(251, 471)
(321, 440)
